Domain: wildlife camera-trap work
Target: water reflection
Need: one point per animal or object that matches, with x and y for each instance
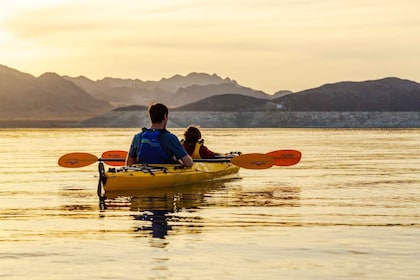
(161, 212)
(158, 219)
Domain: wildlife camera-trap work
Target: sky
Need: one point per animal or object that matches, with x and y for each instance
(268, 45)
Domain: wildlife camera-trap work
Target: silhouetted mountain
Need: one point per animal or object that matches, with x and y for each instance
(178, 81)
(47, 97)
(198, 92)
(228, 103)
(384, 95)
(122, 92)
(166, 84)
(131, 108)
(199, 97)
(280, 93)
(175, 91)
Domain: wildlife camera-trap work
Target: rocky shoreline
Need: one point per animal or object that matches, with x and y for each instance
(264, 119)
(39, 123)
(267, 119)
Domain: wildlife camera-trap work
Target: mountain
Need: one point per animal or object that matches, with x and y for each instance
(384, 103)
(198, 92)
(131, 108)
(46, 97)
(206, 112)
(384, 95)
(178, 81)
(280, 93)
(121, 92)
(198, 96)
(166, 84)
(228, 103)
(175, 91)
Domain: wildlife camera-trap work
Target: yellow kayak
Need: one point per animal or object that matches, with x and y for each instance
(165, 175)
(150, 176)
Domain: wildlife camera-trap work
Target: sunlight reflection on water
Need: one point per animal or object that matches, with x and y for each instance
(348, 210)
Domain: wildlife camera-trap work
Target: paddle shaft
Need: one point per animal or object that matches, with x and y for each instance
(112, 159)
(250, 161)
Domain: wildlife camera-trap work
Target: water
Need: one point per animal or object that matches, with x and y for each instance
(348, 210)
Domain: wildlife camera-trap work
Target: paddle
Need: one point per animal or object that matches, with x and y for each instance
(114, 154)
(253, 161)
(75, 160)
(285, 157)
(250, 161)
(280, 157)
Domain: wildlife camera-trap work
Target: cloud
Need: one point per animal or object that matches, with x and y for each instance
(240, 38)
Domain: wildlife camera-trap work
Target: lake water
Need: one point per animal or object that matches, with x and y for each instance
(349, 210)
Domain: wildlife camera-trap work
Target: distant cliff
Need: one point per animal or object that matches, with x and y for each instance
(264, 119)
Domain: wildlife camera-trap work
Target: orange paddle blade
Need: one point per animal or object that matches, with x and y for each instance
(253, 161)
(116, 157)
(285, 157)
(74, 160)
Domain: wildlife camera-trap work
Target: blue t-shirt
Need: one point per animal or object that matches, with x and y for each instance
(168, 141)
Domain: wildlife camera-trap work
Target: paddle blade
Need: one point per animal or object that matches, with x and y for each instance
(74, 160)
(285, 157)
(116, 157)
(253, 161)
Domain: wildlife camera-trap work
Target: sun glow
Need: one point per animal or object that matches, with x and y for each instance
(267, 45)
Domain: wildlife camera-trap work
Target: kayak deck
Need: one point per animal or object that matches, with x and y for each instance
(165, 175)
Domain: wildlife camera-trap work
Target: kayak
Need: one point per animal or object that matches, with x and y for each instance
(151, 176)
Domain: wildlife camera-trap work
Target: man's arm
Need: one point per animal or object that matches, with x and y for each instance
(132, 152)
(187, 161)
(175, 148)
(130, 161)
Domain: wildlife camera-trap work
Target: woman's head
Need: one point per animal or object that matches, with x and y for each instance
(192, 134)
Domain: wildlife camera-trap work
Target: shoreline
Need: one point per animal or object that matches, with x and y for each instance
(38, 123)
(213, 119)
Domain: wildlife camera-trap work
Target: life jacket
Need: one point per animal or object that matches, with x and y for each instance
(196, 153)
(197, 146)
(150, 149)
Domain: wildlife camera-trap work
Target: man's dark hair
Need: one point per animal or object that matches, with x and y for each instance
(157, 112)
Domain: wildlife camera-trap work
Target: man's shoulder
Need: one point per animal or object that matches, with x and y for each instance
(168, 135)
(138, 135)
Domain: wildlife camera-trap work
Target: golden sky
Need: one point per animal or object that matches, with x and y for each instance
(268, 45)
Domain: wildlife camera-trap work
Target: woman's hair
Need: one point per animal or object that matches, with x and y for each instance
(192, 134)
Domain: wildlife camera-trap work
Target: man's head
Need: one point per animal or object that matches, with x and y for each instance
(157, 112)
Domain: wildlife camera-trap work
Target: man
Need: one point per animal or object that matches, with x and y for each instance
(156, 144)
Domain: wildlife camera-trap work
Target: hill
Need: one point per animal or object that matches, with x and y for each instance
(384, 95)
(175, 91)
(389, 103)
(198, 96)
(46, 97)
(228, 103)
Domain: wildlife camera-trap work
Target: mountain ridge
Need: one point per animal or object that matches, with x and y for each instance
(54, 97)
(47, 97)
(174, 91)
(388, 94)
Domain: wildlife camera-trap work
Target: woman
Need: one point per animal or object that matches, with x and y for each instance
(194, 145)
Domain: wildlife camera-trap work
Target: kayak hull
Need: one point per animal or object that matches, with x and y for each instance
(166, 175)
